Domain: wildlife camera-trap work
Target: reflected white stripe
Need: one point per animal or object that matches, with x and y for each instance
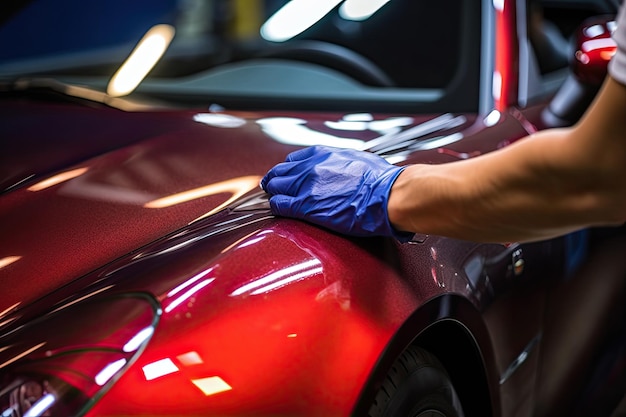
(187, 294)
(276, 276)
(41, 406)
(187, 283)
(288, 280)
(108, 371)
(137, 340)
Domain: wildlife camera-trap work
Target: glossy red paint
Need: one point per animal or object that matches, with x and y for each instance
(329, 291)
(252, 314)
(339, 292)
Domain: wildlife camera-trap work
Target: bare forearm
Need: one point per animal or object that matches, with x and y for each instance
(540, 187)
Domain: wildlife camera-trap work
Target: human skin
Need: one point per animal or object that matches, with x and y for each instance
(548, 184)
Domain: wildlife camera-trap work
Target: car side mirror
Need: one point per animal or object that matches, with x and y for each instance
(593, 49)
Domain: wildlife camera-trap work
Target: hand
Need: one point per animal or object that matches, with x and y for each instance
(340, 189)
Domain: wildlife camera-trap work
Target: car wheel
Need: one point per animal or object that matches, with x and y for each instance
(416, 386)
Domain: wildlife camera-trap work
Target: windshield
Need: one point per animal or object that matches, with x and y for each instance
(318, 54)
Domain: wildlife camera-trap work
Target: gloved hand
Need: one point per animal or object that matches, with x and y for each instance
(340, 189)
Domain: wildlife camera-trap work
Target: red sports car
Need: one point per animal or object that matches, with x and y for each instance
(143, 273)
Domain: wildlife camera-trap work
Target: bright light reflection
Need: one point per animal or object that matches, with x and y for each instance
(385, 126)
(294, 18)
(251, 241)
(21, 355)
(219, 120)
(360, 9)
(492, 118)
(137, 340)
(84, 297)
(159, 368)
(593, 31)
(593, 44)
(8, 412)
(108, 371)
(57, 179)
(607, 55)
(190, 358)
(211, 385)
(8, 310)
(187, 283)
(497, 85)
(358, 117)
(41, 406)
(143, 58)
(292, 273)
(292, 131)
(288, 280)
(237, 187)
(185, 296)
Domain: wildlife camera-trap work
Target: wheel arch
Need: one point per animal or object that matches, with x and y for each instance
(452, 329)
(456, 349)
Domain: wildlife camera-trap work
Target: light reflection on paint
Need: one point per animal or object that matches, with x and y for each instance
(185, 296)
(219, 120)
(251, 241)
(41, 406)
(84, 297)
(189, 282)
(594, 30)
(108, 371)
(364, 121)
(293, 131)
(6, 261)
(136, 341)
(288, 280)
(159, 368)
(57, 179)
(237, 187)
(9, 309)
(211, 385)
(492, 118)
(21, 355)
(594, 44)
(281, 277)
(190, 358)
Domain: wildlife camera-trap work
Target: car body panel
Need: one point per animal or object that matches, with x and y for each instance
(123, 191)
(106, 199)
(340, 296)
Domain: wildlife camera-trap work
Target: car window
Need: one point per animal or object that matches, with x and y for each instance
(398, 51)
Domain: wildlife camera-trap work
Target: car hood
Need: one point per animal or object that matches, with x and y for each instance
(85, 185)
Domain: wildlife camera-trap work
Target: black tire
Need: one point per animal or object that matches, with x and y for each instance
(416, 386)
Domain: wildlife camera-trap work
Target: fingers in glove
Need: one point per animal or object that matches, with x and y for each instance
(279, 170)
(309, 152)
(283, 205)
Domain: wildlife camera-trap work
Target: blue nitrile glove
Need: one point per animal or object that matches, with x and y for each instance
(341, 189)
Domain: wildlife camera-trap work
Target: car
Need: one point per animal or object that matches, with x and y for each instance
(143, 272)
